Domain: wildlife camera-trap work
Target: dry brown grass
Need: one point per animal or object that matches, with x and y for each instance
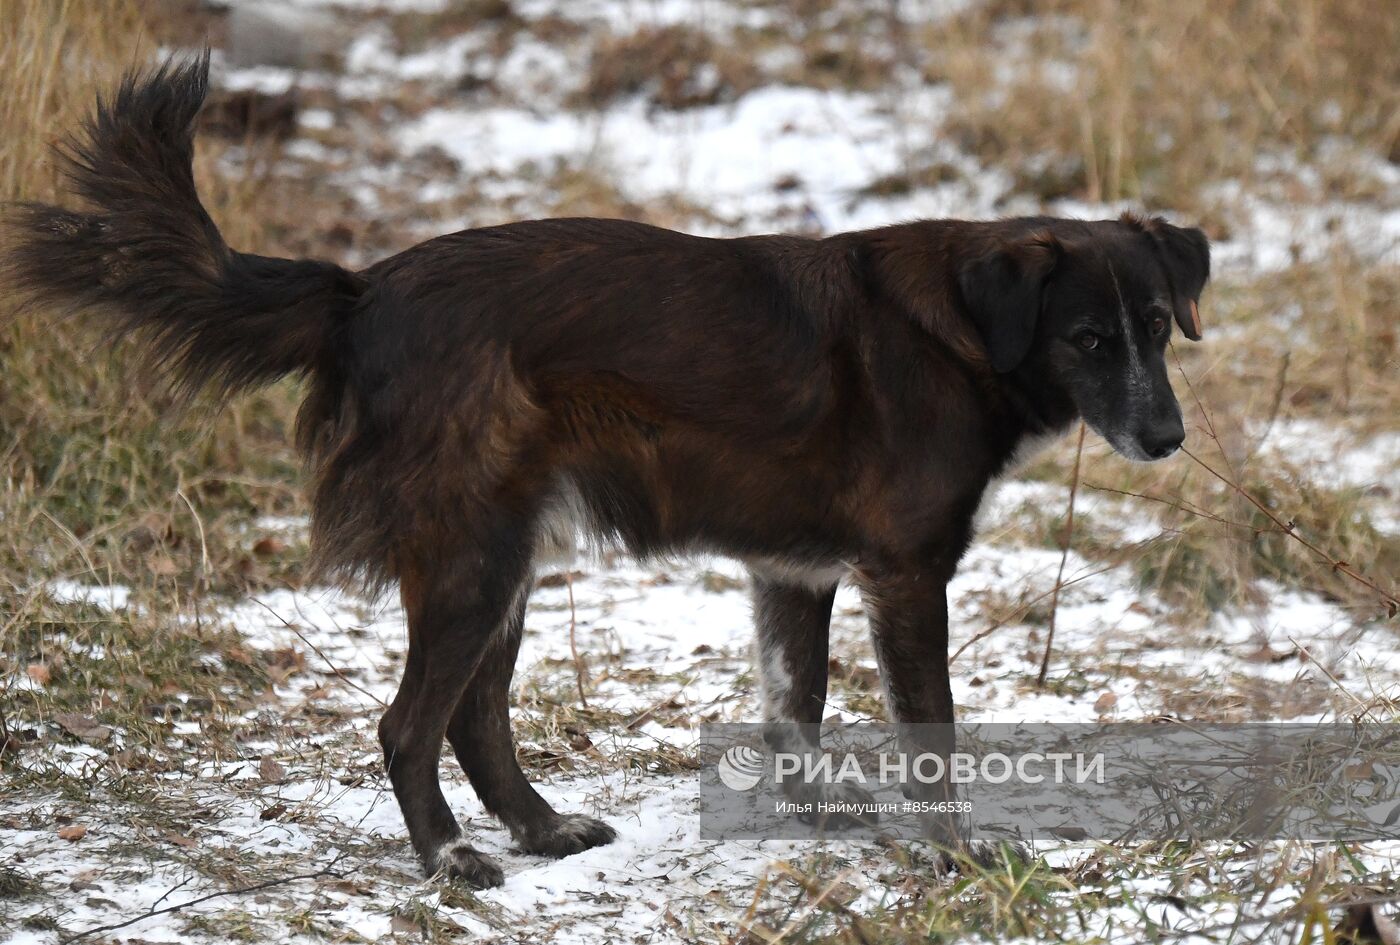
(1315, 346)
(1151, 99)
(97, 478)
(672, 66)
(100, 478)
(56, 55)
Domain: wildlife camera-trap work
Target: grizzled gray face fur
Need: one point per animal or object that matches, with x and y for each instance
(1085, 312)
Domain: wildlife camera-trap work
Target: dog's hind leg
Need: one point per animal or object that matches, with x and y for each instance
(480, 735)
(458, 607)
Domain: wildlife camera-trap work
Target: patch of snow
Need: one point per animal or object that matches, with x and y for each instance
(1334, 454)
(110, 596)
(737, 159)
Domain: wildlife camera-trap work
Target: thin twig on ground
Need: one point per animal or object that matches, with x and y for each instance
(1388, 599)
(327, 870)
(317, 650)
(1178, 503)
(1307, 655)
(1025, 608)
(1064, 556)
(573, 639)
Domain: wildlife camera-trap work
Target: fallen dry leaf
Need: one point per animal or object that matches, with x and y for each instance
(86, 881)
(72, 833)
(266, 547)
(285, 662)
(1105, 703)
(1267, 654)
(39, 672)
(404, 924)
(559, 578)
(1362, 771)
(270, 771)
(80, 726)
(347, 887)
(161, 565)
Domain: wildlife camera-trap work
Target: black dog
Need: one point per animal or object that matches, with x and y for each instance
(815, 408)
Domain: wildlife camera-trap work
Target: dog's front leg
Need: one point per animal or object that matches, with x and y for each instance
(792, 622)
(908, 613)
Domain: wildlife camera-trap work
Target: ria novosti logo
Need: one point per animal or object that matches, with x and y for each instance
(741, 768)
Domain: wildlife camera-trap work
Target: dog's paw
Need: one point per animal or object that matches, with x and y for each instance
(459, 860)
(979, 855)
(854, 806)
(570, 834)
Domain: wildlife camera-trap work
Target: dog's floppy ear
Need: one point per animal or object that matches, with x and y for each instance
(1003, 290)
(1186, 253)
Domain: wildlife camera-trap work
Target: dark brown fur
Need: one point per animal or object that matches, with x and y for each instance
(809, 406)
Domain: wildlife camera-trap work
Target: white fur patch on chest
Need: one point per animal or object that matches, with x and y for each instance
(817, 576)
(561, 527)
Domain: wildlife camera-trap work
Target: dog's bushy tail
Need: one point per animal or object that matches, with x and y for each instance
(144, 255)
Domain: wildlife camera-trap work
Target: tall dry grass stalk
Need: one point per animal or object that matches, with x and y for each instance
(100, 483)
(1149, 100)
(54, 57)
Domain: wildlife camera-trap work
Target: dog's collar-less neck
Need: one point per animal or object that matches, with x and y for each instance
(1037, 411)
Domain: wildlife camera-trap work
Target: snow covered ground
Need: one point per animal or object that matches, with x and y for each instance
(663, 649)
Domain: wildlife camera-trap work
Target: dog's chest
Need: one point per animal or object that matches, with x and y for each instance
(1025, 453)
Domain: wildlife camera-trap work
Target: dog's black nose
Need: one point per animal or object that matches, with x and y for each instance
(1163, 438)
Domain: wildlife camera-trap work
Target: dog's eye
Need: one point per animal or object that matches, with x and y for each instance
(1088, 340)
(1159, 325)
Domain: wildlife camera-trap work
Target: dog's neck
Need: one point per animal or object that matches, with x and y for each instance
(1042, 409)
(1033, 414)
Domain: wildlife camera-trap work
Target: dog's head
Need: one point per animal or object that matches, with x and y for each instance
(1083, 311)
